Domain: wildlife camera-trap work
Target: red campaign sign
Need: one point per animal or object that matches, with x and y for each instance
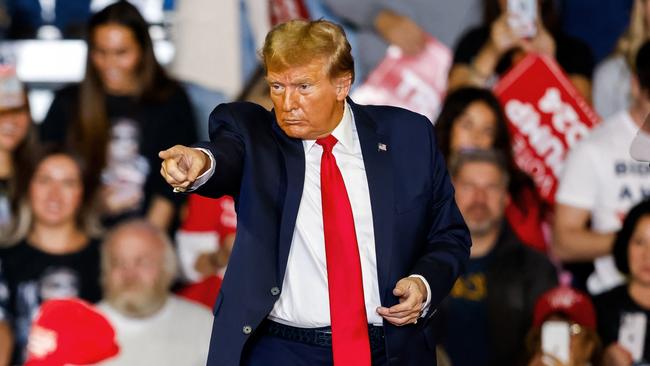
(417, 83)
(285, 10)
(547, 116)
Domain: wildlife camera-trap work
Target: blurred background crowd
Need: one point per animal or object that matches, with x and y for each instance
(92, 90)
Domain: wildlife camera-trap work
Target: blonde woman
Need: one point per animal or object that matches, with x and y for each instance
(612, 77)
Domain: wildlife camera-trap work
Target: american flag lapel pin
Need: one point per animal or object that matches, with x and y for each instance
(382, 147)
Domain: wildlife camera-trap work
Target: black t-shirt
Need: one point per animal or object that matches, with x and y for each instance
(573, 55)
(611, 307)
(34, 276)
(467, 316)
(139, 130)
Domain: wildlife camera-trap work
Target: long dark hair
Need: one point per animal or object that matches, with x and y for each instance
(21, 160)
(623, 236)
(90, 132)
(456, 103)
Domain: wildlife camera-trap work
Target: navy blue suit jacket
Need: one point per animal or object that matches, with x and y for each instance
(418, 227)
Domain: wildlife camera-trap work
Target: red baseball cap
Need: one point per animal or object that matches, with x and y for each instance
(568, 301)
(70, 332)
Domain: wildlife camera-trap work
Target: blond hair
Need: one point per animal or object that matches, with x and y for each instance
(298, 42)
(635, 35)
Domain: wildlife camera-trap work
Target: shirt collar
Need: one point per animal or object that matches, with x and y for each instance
(343, 131)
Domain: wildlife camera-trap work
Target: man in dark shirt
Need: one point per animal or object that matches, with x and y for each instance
(490, 307)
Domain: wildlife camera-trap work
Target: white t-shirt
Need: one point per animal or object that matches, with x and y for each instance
(599, 175)
(179, 334)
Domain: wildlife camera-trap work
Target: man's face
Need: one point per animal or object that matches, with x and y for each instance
(135, 282)
(308, 103)
(481, 196)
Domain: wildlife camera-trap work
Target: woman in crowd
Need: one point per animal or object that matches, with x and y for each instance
(472, 118)
(565, 305)
(16, 145)
(626, 309)
(486, 52)
(58, 258)
(613, 76)
(122, 114)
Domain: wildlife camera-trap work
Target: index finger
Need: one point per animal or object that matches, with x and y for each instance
(170, 153)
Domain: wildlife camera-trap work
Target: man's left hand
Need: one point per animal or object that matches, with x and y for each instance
(412, 293)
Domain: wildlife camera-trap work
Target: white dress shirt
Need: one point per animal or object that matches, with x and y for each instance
(304, 300)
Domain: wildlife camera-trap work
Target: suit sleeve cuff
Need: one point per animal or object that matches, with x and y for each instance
(205, 176)
(427, 303)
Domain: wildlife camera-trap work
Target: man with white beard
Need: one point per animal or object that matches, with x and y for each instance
(490, 307)
(153, 326)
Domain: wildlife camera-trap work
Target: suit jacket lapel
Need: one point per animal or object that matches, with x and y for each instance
(294, 164)
(377, 161)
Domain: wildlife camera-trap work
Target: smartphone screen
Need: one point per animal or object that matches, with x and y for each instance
(631, 333)
(522, 17)
(555, 340)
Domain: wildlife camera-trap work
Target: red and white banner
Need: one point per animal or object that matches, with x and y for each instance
(417, 83)
(285, 10)
(547, 116)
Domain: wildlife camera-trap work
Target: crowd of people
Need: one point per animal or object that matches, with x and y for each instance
(84, 212)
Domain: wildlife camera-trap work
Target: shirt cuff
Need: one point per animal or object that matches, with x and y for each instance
(425, 306)
(201, 179)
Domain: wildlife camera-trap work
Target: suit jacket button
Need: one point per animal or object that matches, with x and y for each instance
(275, 291)
(247, 329)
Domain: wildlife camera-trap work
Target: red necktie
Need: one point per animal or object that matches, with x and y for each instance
(350, 343)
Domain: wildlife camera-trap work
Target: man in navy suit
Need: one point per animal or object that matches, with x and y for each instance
(318, 177)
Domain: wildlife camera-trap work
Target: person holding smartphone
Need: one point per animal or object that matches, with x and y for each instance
(623, 311)
(513, 28)
(564, 330)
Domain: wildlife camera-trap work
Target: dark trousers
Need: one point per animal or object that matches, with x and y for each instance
(268, 350)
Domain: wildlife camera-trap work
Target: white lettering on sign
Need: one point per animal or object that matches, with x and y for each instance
(545, 144)
(417, 93)
(565, 120)
(532, 165)
(541, 137)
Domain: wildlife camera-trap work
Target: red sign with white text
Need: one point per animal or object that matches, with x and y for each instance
(546, 115)
(417, 83)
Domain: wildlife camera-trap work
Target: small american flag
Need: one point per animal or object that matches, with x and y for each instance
(381, 147)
